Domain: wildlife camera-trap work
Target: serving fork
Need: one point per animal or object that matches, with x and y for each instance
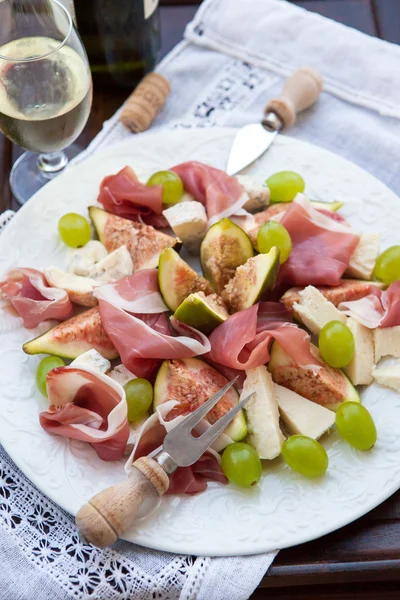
(111, 512)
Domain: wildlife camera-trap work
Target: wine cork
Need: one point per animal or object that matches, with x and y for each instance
(145, 102)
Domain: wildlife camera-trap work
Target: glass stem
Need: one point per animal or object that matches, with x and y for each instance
(51, 164)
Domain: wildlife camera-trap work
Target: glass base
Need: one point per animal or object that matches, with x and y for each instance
(27, 177)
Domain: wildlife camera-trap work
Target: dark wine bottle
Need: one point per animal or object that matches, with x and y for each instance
(122, 38)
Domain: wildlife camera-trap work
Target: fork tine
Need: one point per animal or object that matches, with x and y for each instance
(213, 432)
(193, 418)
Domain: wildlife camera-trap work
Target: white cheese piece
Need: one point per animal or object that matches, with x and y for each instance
(81, 260)
(113, 267)
(93, 360)
(362, 261)
(189, 223)
(388, 375)
(257, 191)
(301, 416)
(387, 342)
(121, 375)
(69, 281)
(359, 369)
(262, 413)
(315, 311)
(79, 288)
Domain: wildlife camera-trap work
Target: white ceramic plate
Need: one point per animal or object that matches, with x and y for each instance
(285, 509)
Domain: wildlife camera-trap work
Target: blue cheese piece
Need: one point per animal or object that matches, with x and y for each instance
(81, 260)
(315, 311)
(92, 360)
(388, 375)
(387, 342)
(301, 416)
(121, 375)
(112, 267)
(359, 369)
(262, 413)
(257, 191)
(188, 220)
(363, 259)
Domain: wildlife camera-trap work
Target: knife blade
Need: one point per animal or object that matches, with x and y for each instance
(300, 91)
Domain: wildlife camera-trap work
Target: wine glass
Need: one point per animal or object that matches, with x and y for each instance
(45, 89)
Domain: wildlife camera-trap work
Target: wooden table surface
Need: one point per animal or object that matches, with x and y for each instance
(361, 560)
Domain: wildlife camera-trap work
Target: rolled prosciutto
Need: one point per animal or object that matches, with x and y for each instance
(124, 195)
(33, 299)
(378, 309)
(89, 406)
(221, 194)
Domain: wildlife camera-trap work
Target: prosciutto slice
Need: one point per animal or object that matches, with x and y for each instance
(33, 299)
(141, 341)
(89, 406)
(322, 247)
(124, 195)
(379, 309)
(185, 480)
(243, 340)
(139, 293)
(221, 194)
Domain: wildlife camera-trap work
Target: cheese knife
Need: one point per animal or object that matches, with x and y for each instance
(300, 91)
(112, 512)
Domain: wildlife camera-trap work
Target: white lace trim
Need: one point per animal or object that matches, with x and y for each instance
(50, 541)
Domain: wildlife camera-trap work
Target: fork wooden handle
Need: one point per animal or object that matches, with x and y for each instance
(300, 91)
(112, 512)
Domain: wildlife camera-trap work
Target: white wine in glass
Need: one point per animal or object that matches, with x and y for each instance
(45, 89)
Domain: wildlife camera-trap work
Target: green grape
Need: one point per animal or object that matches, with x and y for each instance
(45, 366)
(172, 186)
(273, 234)
(284, 186)
(139, 397)
(305, 456)
(74, 230)
(387, 266)
(336, 344)
(355, 425)
(241, 464)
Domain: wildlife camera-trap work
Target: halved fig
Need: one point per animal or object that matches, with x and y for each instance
(191, 382)
(224, 248)
(144, 243)
(202, 312)
(177, 279)
(73, 337)
(331, 206)
(252, 281)
(324, 385)
(346, 291)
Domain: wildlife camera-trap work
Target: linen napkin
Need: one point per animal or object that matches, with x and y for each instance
(234, 57)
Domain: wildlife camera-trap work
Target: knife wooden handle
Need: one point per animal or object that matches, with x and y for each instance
(300, 91)
(112, 512)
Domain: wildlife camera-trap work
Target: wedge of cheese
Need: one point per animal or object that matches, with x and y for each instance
(257, 191)
(315, 311)
(301, 416)
(93, 360)
(359, 369)
(388, 375)
(262, 413)
(387, 342)
(363, 259)
(79, 288)
(188, 220)
(113, 267)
